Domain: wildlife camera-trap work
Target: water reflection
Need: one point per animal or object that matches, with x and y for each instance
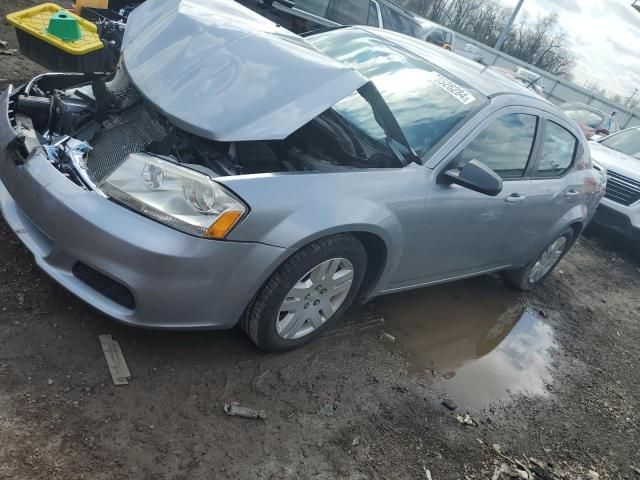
(476, 334)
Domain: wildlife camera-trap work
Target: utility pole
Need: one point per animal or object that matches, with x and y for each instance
(507, 28)
(635, 92)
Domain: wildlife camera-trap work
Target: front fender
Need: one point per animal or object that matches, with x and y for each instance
(294, 209)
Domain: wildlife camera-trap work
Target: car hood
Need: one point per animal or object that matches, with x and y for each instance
(223, 72)
(618, 162)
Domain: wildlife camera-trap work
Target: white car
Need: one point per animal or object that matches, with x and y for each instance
(619, 210)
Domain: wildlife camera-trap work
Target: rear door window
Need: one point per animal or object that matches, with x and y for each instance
(373, 19)
(349, 12)
(504, 146)
(317, 7)
(558, 151)
(393, 20)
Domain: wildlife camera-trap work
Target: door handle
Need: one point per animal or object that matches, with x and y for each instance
(571, 193)
(515, 198)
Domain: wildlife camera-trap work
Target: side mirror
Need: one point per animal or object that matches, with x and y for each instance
(476, 176)
(602, 131)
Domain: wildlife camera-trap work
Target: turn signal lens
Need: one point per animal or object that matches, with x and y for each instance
(223, 224)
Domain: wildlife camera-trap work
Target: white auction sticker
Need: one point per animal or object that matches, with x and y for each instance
(452, 88)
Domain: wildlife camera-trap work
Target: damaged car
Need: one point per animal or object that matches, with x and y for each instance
(232, 172)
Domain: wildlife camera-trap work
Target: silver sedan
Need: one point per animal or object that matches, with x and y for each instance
(230, 171)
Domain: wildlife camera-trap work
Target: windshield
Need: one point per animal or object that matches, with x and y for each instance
(427, 102)
(528, 76)
(627, 141)
(586, 117)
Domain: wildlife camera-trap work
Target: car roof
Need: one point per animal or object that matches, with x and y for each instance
(480, 77)
(584, 106)
(426, 23)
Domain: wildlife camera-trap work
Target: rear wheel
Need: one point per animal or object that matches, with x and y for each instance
(309, 292)
(539, 268)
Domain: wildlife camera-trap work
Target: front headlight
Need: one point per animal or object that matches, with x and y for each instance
(176, 196)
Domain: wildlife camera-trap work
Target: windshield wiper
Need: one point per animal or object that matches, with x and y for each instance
(393, 132)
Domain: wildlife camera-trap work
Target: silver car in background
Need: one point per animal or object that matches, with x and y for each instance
(231, 171)
(619, 154)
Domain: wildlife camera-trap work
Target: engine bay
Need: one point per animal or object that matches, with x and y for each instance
(88, 124)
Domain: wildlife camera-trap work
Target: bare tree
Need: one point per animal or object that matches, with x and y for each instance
(539, 42)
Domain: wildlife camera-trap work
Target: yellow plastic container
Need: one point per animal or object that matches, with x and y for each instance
(35, 20)
(86, 54)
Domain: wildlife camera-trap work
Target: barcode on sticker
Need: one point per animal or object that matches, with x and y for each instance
(453, 89)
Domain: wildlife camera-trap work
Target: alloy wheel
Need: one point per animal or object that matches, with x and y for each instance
(547, 259)
(314, 298)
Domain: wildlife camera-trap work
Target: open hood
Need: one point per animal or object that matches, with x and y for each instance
(223, 72)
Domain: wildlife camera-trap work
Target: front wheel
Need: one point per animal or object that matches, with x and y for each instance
(539, 268)
(309, 292)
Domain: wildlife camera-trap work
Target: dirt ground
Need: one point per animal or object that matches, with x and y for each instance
(557, 380)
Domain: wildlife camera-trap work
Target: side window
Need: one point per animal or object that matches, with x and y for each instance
(349, 12)
(317, 7)
(394, 21)
(504, 146)
(558, 151)
(373, 15)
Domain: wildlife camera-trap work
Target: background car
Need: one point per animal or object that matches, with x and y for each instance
(591, 120)
(306, 15)
(220, 192)
(620, 208)
(446, 37)
(524, 77)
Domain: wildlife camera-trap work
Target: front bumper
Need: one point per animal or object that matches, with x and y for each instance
(624, 221)
(174, 280)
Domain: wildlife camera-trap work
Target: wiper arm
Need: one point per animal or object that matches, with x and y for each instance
(383, 115)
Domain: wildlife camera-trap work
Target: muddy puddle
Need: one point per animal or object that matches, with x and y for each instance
(476, 335)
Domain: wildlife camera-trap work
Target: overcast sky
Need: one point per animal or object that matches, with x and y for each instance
(605, 37)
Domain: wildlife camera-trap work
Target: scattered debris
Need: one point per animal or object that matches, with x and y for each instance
(467, 420)
(635, 469)
(593, 475)
(327, 410)
(387, 337)
(356, 442)
(235, 410)
(450, 404)
(5, 50)
(427, 473)
(505, 471)
(115, 360)
(50, 381)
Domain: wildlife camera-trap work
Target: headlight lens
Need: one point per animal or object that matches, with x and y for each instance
(174, 195)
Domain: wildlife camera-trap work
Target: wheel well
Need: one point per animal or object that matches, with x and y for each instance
(376, 260)
(577, 228)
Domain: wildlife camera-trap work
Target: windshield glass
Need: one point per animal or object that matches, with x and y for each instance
(427, 102)
(586, 117)
(527, 75)
(627, 142)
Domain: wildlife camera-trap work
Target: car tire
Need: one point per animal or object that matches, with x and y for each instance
(526, 278)
(303, 286)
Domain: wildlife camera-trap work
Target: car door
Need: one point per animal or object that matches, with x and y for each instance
(353, 12)
(556, 187)
(466, 232)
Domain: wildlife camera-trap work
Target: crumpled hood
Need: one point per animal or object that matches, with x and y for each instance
(221, 71)
(616, 161)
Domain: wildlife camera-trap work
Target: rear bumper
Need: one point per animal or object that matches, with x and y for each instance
(174, 280)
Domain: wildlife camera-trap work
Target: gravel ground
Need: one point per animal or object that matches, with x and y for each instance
(353, 404)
